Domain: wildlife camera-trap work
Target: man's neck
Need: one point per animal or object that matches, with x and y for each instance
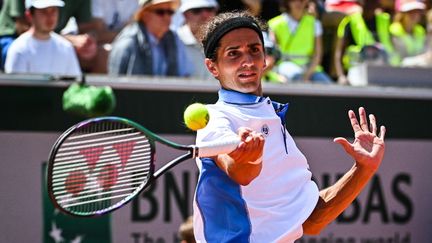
(194, 30)
(297, 15)
(40, 35)
(157, 33)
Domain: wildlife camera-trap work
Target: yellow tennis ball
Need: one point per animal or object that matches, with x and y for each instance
(196, 116)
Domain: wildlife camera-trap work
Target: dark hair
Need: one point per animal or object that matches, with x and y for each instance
(215, 29)
(285, 7)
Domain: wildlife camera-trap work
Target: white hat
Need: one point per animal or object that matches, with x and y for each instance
(191, 4)
(44, 3)
(149, 3)
(409, 5)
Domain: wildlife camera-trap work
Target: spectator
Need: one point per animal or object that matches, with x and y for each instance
(271, 58)
(113, 15)
(408, 36)
(110, 16)
(362, 36)
(299, 37)
(148, 46)
(424, 59)
(40, 50)
(12, 24)
(186, 230)
(84, 40)
(196, 13)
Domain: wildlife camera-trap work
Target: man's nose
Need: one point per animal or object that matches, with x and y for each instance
(247, 60)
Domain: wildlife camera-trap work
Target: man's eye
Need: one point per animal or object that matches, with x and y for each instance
(232, 53)
(255, 49)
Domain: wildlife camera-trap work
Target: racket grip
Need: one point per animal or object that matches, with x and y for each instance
(208, 149)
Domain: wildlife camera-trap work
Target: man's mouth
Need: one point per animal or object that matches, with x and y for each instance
(247, 74)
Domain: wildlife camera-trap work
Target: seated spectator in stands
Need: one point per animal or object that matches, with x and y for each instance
(111, 17)
(148, 46)
(196, 13)
(83, 39)
(185, 231)
(298, 35)
(12, 24)
(40, 50)
(362, 36)
(272, 57)
(424, 59)
(408, 35)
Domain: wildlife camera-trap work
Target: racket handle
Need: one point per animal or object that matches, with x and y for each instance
(219, 147)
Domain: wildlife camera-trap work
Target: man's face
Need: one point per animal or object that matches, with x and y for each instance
(298, 5)
(240, 61)
(414, 16)
(197, 17)
(158, 17)
(45, 19)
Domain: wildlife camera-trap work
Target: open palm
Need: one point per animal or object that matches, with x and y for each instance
(368, 147)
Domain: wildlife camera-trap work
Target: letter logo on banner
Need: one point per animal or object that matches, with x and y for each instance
(59, 227)
(174, 193)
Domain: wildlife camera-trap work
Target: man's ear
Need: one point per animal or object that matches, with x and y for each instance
(28, 15)
(211, 66)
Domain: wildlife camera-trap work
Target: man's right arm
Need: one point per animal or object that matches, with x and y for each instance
(245, 163)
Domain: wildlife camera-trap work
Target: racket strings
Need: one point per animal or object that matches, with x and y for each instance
(113, 159)
(100, 166)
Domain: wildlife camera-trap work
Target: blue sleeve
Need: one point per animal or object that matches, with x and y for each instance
(223, 209)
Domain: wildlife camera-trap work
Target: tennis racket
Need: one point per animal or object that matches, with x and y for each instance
(100, 164)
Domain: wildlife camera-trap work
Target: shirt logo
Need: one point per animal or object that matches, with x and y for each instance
(265, 130)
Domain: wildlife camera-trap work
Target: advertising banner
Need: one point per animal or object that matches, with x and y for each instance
(394, 206)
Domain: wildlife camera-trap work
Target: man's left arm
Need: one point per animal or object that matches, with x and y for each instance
(368, 151)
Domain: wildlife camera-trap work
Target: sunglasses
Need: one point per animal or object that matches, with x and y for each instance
(197, 11)
(161, 12)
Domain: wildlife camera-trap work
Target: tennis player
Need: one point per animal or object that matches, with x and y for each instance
(262, 191)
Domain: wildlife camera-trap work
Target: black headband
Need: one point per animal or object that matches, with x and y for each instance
(227, 26)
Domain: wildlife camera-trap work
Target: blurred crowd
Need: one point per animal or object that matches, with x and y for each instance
(319, 41)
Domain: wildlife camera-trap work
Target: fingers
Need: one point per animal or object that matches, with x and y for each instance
(363, 125)
(373, 126)
(363, 120)
(354, 122)
(345, 144)
(252, 144)
(243, 133)
(254, 140)
(382, 132)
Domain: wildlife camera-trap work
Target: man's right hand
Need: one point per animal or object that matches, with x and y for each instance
(250, 149)
(245, 163)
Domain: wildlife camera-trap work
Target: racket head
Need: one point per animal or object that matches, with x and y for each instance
(99, 165)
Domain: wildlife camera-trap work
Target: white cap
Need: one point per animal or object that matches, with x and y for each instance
(191, 4)
(149, 3)
(409, 5)
(44, 3)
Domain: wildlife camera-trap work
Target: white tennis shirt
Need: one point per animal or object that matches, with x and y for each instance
(53, 56)
(273, 207)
